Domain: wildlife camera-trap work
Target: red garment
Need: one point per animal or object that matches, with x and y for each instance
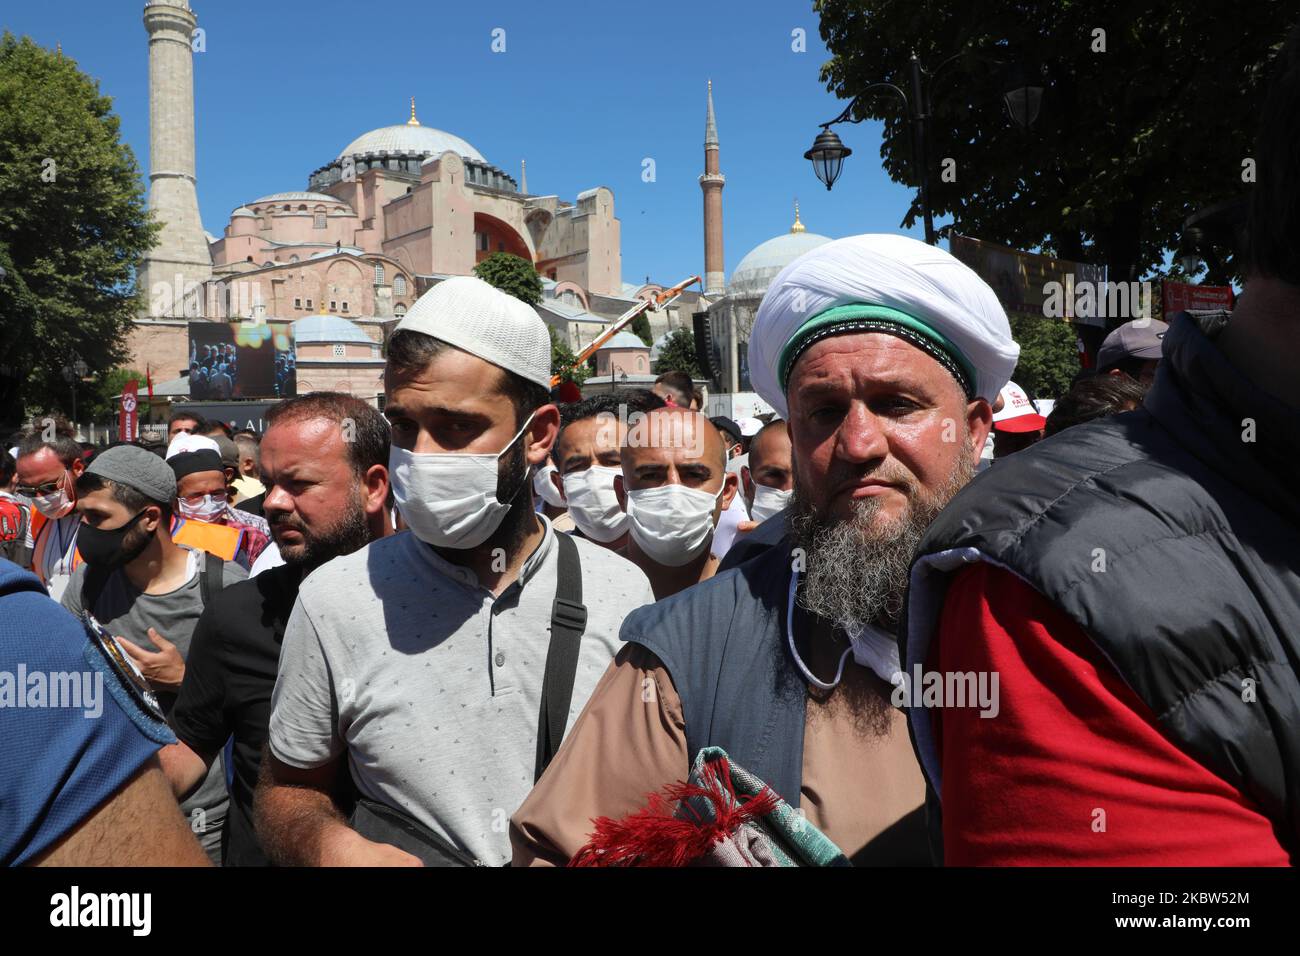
(1024, 787)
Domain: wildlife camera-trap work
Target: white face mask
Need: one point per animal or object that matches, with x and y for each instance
(672, 524)
(768, 501)
(210, 507)
(57, 505)
(593, 503)
(449, 499)
(545, 487)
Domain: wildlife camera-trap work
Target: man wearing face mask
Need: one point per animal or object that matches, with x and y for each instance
(588, 449)
(325, 463)
(882, 353)
(768, 477)
(143, 587)
(550, 500)
(205, 518)
(768, 482)
(431, 665)
(673, 485)
(47, 473)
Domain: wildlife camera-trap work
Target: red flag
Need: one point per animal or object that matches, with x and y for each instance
(128, 418)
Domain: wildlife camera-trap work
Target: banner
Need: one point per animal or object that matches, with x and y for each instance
(1178, 297)
(128, 416)
(1023, 281)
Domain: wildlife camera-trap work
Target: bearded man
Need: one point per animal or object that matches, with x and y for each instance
(883, 354)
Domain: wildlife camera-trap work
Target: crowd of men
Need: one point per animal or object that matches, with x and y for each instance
(906, 619)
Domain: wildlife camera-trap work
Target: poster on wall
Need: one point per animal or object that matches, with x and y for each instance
(241, 360)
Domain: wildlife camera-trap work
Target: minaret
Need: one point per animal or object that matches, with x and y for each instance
(715, 281)
(182, 248)
(523, 176)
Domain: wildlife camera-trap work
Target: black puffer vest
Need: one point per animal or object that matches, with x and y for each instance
(1191, 505)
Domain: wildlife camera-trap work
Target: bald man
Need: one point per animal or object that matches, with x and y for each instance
(673, 487)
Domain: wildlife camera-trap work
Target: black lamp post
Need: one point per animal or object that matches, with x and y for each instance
(75, 369)
(828, 152)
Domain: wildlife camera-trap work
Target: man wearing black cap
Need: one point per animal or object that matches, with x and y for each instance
(147, 590)
(1133, 349)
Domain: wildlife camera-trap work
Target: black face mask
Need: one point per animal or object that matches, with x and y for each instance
(105, 548)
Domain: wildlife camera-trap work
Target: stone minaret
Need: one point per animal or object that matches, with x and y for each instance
(182, 248)
(715, 280)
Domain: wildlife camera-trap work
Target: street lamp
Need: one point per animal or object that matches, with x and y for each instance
(828, 153)
(74, 370)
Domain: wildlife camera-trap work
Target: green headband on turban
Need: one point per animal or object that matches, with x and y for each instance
(861, 317)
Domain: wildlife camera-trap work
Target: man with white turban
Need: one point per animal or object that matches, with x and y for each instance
(884, 355)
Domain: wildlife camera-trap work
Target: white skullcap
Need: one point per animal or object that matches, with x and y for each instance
(882, 283)
(477, 318)
(185, 442)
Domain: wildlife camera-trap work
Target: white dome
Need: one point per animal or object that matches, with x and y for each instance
(328, 328)
(296, 197)
(757, 270)
(410, 139)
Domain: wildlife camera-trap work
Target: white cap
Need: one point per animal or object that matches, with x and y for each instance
(749, 427)
(477, 318)
(1017, 405)
(185, 442)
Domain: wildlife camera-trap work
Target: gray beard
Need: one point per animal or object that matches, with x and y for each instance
(856, 571)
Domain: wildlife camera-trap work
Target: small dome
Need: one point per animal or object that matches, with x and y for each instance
(757, 270)
(328, 328)
(297, 197)
(624, 340)
(410, 139)
(243, 211)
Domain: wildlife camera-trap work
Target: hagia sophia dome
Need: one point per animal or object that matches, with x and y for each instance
(406, 148)
(764, 262)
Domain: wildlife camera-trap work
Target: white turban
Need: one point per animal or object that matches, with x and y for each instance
(882, 283)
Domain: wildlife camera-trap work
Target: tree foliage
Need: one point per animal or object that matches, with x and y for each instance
(511, 275)
(1049, 355)
(564, 362)
(73, 227)
(640, 327)
(678, 354)
(1128, 142)
(101, 401)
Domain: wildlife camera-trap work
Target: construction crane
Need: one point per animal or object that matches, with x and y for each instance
(667, 297)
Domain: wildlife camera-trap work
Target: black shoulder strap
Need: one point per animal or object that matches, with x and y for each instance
(213, 578)
(568, 621)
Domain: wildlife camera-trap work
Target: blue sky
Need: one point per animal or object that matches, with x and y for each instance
(584, 91)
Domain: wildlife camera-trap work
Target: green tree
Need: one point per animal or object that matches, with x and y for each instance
(1128, 143)
(678, 354)
(641, 329)
(1049, 354)
(564, 363)
(512, 275)
(100, 402)
(73, 227)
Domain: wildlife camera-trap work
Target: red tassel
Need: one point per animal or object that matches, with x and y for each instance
(653, 836)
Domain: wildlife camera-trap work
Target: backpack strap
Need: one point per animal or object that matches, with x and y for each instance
(212, 579)
(568, 621)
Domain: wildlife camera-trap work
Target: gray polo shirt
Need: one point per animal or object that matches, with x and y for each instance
(431, 684)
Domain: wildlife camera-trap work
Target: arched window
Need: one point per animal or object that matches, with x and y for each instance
(399, 285)
(302, 208)
(267, 264)
(399, 310)
(320, 217)
(293, 258)
(379, 273)
(288, 208)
